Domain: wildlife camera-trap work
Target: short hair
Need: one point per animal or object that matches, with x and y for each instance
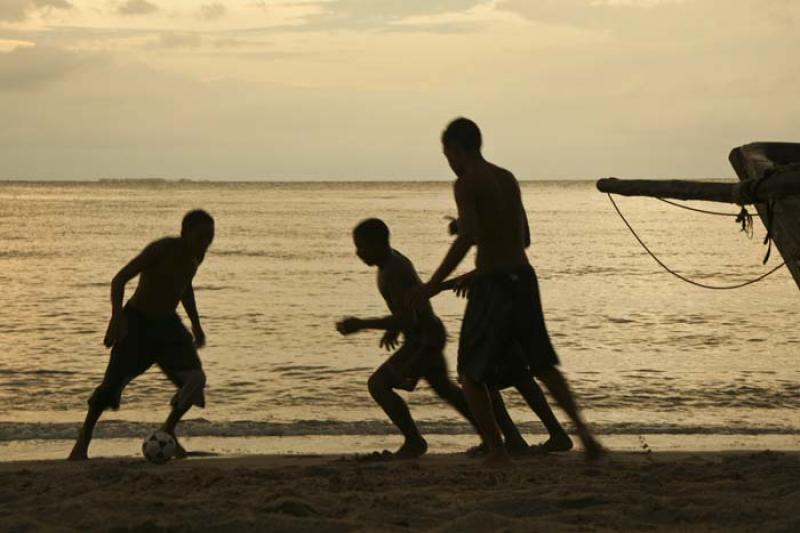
(373, 230)
(194, 218)
(464, 133)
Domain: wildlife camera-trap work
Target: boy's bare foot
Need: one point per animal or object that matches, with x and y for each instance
(479, 450)
(77, 455)
(498, 458)
(517, 448)
(555, 444)
(591, 447)
(412, 448)
(79, 452)
(514, 449)
(593, 450)
(180, 451)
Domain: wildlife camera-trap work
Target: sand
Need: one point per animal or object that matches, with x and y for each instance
(627, 492)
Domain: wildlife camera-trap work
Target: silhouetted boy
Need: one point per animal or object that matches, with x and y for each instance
(503, 334)
(525, 384)
(424, 337)
(147, 330)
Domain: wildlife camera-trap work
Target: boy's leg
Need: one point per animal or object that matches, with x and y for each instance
(191, 385)
(514, 442)
(106, 395)
(381, 389)
(558, 387)
(80, 451)
(437, 377)
(559, 441)
(170, 423)
(480, 405)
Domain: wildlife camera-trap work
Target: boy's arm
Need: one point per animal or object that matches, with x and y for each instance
(398, 281)
(351, 324)
(456, 282)
(524, 216)
(190, 306)
(467, 220)
(389, 322)
(527, 228)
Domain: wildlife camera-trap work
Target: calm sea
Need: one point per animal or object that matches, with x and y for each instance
(646, 354)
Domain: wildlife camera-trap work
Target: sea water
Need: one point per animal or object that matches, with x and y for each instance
(647, 355)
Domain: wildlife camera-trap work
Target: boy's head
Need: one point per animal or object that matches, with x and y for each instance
(197, 230)
(371, 238)
(461, 140)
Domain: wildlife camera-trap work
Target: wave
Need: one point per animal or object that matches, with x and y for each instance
(23, 431)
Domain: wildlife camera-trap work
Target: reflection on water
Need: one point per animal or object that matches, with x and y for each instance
(645, 352)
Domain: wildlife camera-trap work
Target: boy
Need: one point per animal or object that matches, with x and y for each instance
(424, 336)
(559, 441)
(503, 334)
(147, 330)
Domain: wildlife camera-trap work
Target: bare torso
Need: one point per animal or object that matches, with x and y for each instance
(394, 278)
(501, 229)
(162, 284)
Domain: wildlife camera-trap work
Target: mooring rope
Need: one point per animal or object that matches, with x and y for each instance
(684, 278)
(743, 217)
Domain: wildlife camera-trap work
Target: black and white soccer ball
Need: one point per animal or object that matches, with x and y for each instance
(159, 447)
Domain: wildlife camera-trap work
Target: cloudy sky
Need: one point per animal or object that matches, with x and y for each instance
(361, 89)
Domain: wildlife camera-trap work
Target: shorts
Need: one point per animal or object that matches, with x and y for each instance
(420, 356)
(503, 336)
(162, 341)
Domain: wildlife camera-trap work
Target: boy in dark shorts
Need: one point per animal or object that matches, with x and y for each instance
(503, 335)
(421, 354)
(148, 331)
(520, 377)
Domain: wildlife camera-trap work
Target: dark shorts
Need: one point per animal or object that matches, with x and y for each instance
(164, 342)
(420, 356)
(503, 335)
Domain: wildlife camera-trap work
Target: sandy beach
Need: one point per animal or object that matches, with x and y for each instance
(626, 492)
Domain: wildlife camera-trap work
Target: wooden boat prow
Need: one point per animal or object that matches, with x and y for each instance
(756, 162)
(769, 175)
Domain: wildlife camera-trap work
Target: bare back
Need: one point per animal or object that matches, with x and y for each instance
(490, 205)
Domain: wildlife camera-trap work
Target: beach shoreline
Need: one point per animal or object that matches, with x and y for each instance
(689, 491)
(34, 449)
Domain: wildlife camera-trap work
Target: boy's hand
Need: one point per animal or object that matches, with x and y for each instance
(116, 331)
(389, 340)
(199, 336)
(348, 325)
(461, 287)
(452, 225)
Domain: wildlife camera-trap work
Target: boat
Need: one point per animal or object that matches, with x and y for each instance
(769, 179)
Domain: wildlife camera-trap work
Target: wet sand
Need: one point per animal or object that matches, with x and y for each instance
(718, 491)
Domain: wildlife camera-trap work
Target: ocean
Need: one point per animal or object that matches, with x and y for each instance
(650, 358)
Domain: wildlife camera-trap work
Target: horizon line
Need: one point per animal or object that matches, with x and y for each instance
(111, 181)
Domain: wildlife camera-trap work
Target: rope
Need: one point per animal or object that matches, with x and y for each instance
(743, 217)
(683, 278)
(718, 213)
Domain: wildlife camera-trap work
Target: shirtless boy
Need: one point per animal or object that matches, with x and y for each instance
(503, 334)
(515, 444)
(421, 354)
(147, 329)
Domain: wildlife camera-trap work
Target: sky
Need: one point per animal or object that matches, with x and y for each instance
(361, 89)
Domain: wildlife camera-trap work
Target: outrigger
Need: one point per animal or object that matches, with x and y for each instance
(769, 178)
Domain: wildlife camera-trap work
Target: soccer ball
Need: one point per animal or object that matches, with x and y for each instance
(159, 447)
